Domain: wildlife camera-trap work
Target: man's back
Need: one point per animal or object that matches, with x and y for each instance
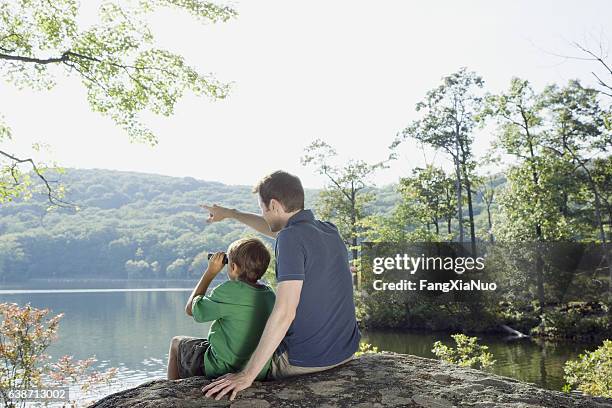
(324, 331)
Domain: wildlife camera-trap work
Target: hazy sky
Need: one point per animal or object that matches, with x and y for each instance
(349, 72)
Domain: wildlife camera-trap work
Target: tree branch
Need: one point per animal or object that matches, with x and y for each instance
(336, 183)
(64, 57)
(52, 198)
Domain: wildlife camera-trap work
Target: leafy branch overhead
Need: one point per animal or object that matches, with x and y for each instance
(115, 59)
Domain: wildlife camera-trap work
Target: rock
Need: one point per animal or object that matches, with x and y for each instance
(373, 380)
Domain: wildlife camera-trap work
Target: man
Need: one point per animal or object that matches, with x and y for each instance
(312, 326)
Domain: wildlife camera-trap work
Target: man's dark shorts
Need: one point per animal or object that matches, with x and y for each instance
(190, 356)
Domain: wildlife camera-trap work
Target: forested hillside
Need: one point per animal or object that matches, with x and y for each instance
(128, 225)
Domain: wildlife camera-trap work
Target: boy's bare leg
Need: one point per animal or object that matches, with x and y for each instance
(173, 373)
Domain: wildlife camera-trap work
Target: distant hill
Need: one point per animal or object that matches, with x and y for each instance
(129, 225)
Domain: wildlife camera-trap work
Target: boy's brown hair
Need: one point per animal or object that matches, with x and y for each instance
(251, 256)
(284, 187)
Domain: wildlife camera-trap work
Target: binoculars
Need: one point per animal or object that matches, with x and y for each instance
(224, 258)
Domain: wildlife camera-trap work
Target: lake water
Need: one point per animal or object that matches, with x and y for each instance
(129, 325)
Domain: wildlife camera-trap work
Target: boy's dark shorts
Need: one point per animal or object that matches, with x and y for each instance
(190, 356)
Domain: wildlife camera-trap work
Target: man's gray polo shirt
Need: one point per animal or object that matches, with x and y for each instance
(324, 331)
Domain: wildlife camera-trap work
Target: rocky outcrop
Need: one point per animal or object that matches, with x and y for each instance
(373, 380)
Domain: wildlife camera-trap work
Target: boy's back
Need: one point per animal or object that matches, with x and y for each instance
(239, 312)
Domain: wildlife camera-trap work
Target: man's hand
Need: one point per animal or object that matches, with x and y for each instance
(215, 263)
(216, 212)
(226, 383)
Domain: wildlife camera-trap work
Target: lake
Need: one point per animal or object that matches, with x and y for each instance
(129, 324)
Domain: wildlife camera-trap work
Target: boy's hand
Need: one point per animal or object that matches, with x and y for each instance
(215, 263)
(217, 213)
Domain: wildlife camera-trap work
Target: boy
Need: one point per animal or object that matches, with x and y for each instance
(239, 309)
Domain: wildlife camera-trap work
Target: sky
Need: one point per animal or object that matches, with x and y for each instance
(348, 72)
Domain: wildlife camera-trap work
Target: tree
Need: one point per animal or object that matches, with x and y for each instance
(116, 60)
(428, 195)
(449, 117)
(529, 206)
(137, 268)
(11, 253)
(604, 81)
(486, 190)
(345, 198)
(604, 84)
(177, 269)
(579, 135)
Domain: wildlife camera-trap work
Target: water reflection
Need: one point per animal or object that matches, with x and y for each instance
(131, 330)
(531, 360)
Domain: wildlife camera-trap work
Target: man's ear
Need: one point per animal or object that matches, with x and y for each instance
(275, 205)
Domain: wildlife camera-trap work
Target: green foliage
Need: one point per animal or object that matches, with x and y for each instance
(449, 115)
(366, 348)
(270, 275)
(592, 372)
(138, 269)
(347, 195)
(553, 135)
(177, 269)
(450, 111)
(116, 60)
(573, 322)
(429, 199)
(393, 309)
(12, 254)
(130, 226)
(529, 211)
(467, 353)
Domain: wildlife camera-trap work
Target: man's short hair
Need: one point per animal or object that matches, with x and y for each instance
(251, 256)
(284, 187)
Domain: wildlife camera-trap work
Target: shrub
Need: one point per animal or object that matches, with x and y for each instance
(25, 334)
(366, 348)
(592, 372)
(468, 352)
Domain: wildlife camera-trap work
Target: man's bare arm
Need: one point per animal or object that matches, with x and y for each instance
(255, 221)
(287, 299)
(283, 313)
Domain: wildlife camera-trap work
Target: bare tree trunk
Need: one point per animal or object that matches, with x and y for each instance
(354, 252)
(491, 239)
(540, 273)
(468, 187)
(538, 230)
(458, 187)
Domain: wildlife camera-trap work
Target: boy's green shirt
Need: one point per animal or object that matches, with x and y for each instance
(239, 313)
